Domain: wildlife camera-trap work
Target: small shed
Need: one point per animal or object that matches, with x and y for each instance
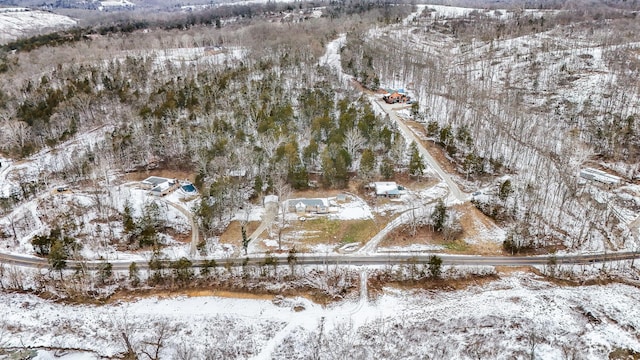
(270, 199)
(301, 208)
(600, 177)
(387, 189)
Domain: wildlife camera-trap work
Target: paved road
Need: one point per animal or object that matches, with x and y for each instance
(455, 191)
(355, 259)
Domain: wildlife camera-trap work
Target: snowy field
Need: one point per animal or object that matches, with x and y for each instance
(513, 317)
(451, 12)
(18, 22)
(115, 4)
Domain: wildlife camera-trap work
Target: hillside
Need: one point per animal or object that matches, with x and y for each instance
(163, 180)
(22, 22)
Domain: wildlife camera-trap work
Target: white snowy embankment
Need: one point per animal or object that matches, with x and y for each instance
(500, 319)
(18, 22)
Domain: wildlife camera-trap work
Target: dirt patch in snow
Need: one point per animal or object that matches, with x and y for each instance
(315, 295)
(165, 173)
(477, 236)
(403, 237)
(322, 230)
(184, 238)
(377, 283)
(479, 230)
(133, 295)
(233, 234)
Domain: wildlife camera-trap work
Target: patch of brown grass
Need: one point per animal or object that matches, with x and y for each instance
(325, 231)
(402, 237)
(474, 225)
(233, 234)
(624, 354)
(129, 295)
(477, 226)
(508, 270)
(179, 236)
(132, 295)
(165, 173)
(376, 284)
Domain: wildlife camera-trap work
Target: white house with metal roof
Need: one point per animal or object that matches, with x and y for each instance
(159, 186)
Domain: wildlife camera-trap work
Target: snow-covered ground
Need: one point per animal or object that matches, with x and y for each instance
(331, 58)
(116, 4)
(18, 22)
(195, 55)
(516, 316)
(452, 12)
(38, 216)
(354, 209)
(48, 160)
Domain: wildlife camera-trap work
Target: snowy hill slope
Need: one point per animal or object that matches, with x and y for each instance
(18, 22)
(519, 316)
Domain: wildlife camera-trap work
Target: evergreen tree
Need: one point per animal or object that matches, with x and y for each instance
(505, 190)
(367, 164)
(432, 128)
(134, 276)
(245, 240)
(105, 271)
(416, 164)
(58, 256)
(415, 109)
(257, 185)
(386, 168)
(435, 266)
(127, 219)
(310, 153)
(299, 178)
(41, 244)
(439, 216)
(182, 271)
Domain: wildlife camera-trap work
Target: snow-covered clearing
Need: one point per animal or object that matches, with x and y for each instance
(48, 160)
(452, 12)
(355, 208)
(115, 4)
(38, 216)
(195, 55)
(19, 22)
(331, 58)
(503, 319)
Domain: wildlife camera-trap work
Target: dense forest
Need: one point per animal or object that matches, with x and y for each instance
(256, 100)
(533, 96)
(508, 95)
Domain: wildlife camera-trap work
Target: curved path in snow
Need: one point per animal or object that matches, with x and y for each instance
(195, 230)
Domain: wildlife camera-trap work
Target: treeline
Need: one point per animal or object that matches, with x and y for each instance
(208, 17)
(72, 35)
